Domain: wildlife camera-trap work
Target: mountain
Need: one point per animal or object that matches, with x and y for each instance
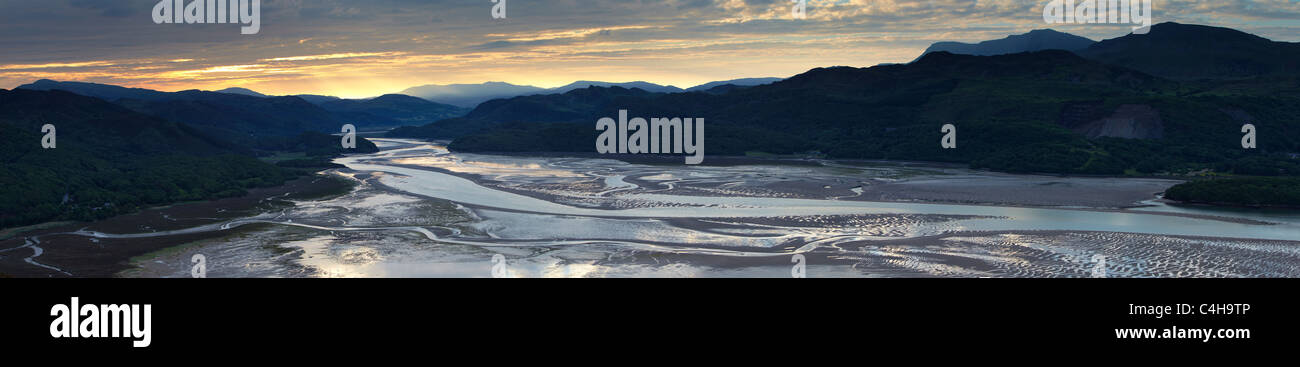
(91, 123)
(1188, 52)
(746, 82)
(109, 160)
(584, 84)
(236, 117)
(243, 91)
(1036, 40)
(244, 118)
(392, 110)
(317, 99)
(102, 91)
(470, 95)
(1045, 111)
(239, 115)
(575, 105)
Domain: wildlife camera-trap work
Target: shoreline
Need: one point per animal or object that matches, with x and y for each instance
(79, 256)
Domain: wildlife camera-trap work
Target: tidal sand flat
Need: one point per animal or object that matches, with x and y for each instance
(421, 211)
(418, 210)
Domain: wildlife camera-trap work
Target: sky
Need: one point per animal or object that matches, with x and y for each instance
(365, 48)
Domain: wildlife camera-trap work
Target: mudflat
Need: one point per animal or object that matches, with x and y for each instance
(47, 252)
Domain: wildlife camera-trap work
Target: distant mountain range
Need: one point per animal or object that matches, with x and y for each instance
(1043, 111)
(102, 91)
(243, 91)
(646, 86)
(746, 82)
(234, 117)
(471, 95)
(391, 110)
(238, 113)
(574, 105)
(1036, 40)
(317, 99)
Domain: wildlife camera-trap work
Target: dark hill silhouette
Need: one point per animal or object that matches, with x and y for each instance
(646, 86)
(1186, 52)
(230, 115)
(1036, 40)
(470, 95)
(571, 106)
(102, 91)
(110, 160)
(243, 91)
(392, 110)
(244, 118)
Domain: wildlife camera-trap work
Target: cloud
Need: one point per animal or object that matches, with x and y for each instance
(349, 55)
(55, 65)
(369, 47)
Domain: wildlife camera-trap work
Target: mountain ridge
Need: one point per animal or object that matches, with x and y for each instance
(469, 95)
(243, 91)
(742, 82)
(1035, 40)
(392, 110)
(238, 116)
(1203, 52)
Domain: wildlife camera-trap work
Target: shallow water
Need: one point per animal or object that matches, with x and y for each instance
(416, 214)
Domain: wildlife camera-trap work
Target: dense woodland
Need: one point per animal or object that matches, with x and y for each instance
(1252, 191)
(110, 160)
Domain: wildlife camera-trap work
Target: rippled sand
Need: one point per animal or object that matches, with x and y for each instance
(1062, 254)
